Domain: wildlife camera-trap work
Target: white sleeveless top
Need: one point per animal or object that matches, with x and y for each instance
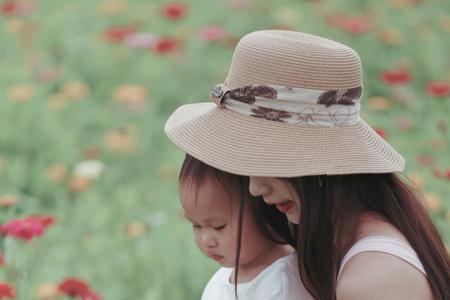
(385, 244)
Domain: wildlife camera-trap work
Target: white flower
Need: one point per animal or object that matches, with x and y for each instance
(157, 219)
(90, 169)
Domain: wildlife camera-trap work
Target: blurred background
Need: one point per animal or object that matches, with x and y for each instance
(88, 180)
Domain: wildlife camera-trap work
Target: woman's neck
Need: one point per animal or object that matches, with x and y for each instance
(372, 224)
(265, 258)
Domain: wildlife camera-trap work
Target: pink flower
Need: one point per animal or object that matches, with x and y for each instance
(399, 76)
(174, 11)
(27, 228)
(437, 173)
(350, 24)
(447, 174)
(212, 33)
(355, 25)
(7, 291)
(425, 160)
(141, 40)
(16, 8)
(438, 88)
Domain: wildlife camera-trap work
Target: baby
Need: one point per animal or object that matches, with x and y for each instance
(256, 264)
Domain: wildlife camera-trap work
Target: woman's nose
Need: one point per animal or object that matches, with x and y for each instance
(257, 187)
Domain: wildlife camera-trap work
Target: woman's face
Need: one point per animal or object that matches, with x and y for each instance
(278, 192)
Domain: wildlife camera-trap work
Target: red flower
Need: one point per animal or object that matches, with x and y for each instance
(165, 45)
(117, 34)
(399, 76)
(9, 8)
(27, 228)
(380, 132)
(438, 88)
(7, 291)
(74, 287)
(437, 173)
(174, 11)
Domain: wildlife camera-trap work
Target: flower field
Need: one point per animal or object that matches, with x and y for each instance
(88, 180)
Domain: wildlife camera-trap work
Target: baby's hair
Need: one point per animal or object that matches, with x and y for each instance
(268, 218)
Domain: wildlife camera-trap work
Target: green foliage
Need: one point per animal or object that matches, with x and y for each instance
(69, 95)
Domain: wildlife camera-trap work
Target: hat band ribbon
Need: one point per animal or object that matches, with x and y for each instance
(291, 105)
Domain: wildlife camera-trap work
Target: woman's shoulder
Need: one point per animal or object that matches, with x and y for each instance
(379, 274)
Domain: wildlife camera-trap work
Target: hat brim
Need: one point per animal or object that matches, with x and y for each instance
(249, 146)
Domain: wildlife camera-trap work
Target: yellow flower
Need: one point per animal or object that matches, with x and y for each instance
(16, 26)
(417, 180)
(21, 92)
(112, 7)
(403, 3)
(287, 15)
(57, 172)
(75, 90)
(433, 202)
(135, 229)
(57, 101)
(120, 141)
(378, 103)
(8, 200)
(444, 23)
(130, 94)
(79, 184)
(391, 36)
(47, 291)
(167, 172)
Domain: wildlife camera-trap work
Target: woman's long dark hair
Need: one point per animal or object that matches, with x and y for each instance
(272, 223)
(330, 206)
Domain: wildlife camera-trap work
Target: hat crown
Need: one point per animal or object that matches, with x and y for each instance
(294, 59)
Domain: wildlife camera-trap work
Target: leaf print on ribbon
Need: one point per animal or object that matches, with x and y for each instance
(270, 114)
(304, 118)
(343, 97)
(248, 94)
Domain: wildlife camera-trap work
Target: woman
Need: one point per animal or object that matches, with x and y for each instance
(288, 117)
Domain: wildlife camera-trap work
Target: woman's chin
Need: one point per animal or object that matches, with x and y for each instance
(293, 218)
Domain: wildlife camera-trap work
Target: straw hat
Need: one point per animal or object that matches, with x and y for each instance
(289, 107)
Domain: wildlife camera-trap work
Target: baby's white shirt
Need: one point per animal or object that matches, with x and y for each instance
(279, 281)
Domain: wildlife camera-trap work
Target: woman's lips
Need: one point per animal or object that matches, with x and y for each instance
(285, 206)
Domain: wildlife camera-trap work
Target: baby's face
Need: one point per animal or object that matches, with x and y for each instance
(214, 215)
